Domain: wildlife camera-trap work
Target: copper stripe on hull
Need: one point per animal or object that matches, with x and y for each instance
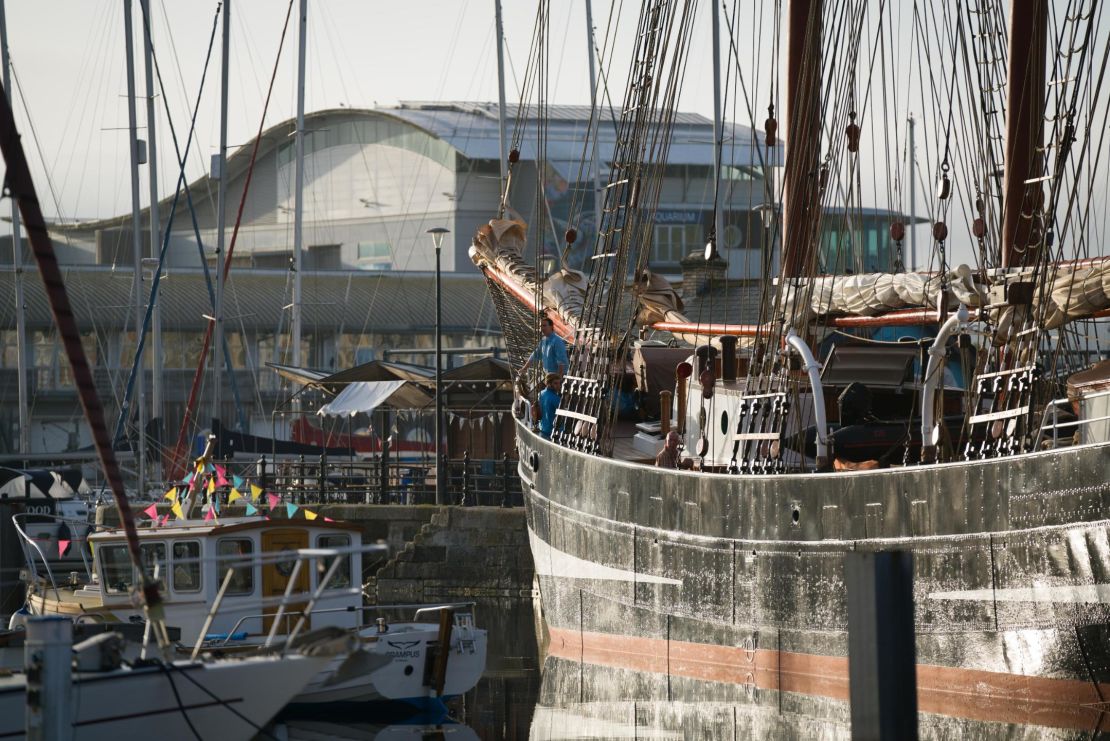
(965, 693)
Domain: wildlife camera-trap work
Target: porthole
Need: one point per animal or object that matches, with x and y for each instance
(795, 515)
(724, 422)
(534, 462)
(408, 670)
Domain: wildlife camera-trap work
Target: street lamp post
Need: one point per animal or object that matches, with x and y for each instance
(441, 491)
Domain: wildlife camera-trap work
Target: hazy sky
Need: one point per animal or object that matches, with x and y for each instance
(69, 58)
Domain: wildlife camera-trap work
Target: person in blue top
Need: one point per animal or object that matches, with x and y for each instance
(549, 402)
(551, 352)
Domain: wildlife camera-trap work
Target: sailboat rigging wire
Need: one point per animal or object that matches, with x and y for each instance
(140, 333)
(176, 466)
(22, 188)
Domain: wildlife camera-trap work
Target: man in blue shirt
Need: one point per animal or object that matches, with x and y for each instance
(552, 350)
(549, 402)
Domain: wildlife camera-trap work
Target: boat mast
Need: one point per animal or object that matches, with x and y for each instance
(136, 241)
(1024, 130)
(718, 137)
(157, 400)
(221, 218)
(913, 198)
(595, 114)
(298, 203)
(503, 155)
(803, 94)
(17, 268)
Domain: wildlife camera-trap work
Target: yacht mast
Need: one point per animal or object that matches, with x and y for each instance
(912, 164)
(221, 219)
(595, 114)
(157, 412)
(136, 241)
(298, 204)
(1024, 130)
(17, 269)
(718, 137)
(503, 154)
(803, 94)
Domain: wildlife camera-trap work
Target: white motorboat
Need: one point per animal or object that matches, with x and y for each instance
(278, 569)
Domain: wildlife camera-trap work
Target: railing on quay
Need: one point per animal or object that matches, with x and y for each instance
(489, 482)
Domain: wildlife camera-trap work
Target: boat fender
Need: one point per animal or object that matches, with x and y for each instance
(534, 461)
(703, 446)
(18, 620)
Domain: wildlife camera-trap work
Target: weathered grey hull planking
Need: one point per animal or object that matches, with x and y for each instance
(715, 582)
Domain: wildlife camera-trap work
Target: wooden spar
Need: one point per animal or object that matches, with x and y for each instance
(22, 190)
(803, 133)
(1024, 130)
(563, 329)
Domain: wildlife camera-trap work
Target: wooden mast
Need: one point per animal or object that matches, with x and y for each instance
(1024, 130)
(803, 133)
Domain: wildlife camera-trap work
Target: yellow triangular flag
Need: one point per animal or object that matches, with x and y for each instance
(200, 467)
(211, 484)
(171, 494)
(234, 495)
(176, 509)
(309, 514)
(256, 492)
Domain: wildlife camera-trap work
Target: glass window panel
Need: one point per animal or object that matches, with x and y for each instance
(341, 579)
(115, 568)
(186, 566)
(236, 553)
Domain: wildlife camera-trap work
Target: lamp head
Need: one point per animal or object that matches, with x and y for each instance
(437, 235)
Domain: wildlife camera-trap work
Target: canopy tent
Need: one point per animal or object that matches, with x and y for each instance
(366, 396)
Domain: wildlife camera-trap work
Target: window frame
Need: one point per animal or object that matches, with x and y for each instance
(196, 565)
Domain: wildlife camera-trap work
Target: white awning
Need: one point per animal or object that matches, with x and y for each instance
(361, 396)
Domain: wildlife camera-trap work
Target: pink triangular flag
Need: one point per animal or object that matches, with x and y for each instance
(151, 511)
(274, 500)
(209, 514)
(328, 519)
(63, 546)
(221, 480)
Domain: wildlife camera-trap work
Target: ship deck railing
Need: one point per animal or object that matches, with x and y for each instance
(1051, 423)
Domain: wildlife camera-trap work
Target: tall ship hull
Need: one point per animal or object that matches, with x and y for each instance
(708, 452)
(717, 587)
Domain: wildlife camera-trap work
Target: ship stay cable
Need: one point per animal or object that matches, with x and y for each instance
(125, 409)
(21, 187)
(177, 462)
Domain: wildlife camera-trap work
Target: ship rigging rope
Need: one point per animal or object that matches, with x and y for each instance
(180, 451)
(140, 333)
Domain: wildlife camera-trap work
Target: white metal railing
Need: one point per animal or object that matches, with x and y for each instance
(1053, 408)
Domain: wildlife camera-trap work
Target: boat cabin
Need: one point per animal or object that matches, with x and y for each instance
(191, 559)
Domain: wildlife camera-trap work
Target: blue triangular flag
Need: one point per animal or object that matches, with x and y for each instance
(189, 478)
(237, 481)
(291, 509)
(251, 509)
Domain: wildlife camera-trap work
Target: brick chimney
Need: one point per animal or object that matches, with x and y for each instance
(700, 275)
